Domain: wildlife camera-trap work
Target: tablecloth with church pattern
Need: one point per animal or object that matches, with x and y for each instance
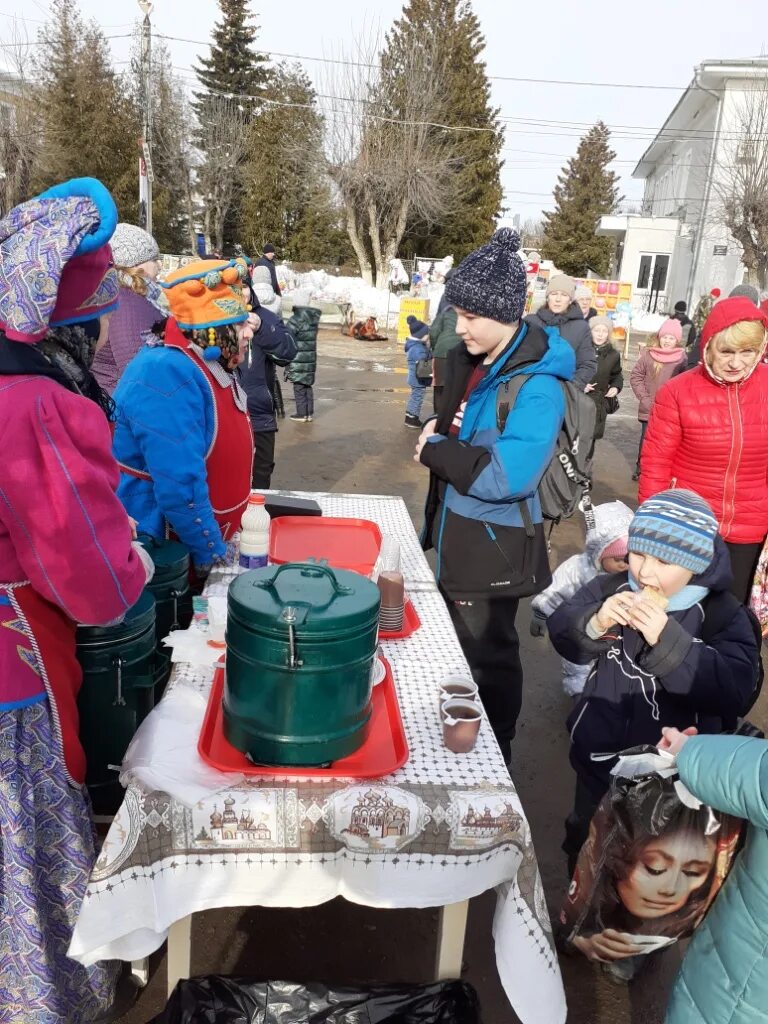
(440, 830)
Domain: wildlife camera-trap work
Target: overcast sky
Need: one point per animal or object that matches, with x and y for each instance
(656, 42)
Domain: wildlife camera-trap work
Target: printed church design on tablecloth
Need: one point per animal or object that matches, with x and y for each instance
(376, 814)
(226, 826)
(476, 824)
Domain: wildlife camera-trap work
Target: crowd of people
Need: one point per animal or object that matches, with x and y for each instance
(130, 404)
(652, 620)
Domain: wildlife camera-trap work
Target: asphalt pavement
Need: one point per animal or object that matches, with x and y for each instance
(358, 443)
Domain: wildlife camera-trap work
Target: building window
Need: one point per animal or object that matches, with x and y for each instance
(652, 275)
(644, 273)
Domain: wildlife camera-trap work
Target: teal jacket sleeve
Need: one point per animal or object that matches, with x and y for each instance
(729, 773)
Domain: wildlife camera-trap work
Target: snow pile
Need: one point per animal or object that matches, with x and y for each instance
(317, 288)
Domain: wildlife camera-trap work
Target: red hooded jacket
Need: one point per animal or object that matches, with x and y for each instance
(712, 438)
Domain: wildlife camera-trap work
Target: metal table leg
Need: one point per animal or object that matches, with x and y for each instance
(179, 951)
(450, 940)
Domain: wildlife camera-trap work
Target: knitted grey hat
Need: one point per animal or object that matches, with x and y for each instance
(746, 291)
(132, 245)
(561, 283)
(491, 281)
(583, 292)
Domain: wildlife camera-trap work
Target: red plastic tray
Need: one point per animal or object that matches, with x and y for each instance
(345, 543)
(411, 622)
(384, 750)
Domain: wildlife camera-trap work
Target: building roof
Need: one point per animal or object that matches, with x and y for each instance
(708, 77)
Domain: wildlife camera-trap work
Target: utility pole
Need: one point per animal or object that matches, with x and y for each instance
(146, 174)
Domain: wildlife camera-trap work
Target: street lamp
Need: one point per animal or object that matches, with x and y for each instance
(145, 160)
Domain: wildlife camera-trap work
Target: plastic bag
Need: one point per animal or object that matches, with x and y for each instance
(218, 1000)
(758, 600)
(654, 860)
(162, 756)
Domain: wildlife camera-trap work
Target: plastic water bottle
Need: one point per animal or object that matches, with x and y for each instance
(254, 534)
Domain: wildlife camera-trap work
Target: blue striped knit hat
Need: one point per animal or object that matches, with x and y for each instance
(677, 527)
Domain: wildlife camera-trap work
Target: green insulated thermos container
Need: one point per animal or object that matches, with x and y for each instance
(301, 640)
(170, 589)
(119, 676)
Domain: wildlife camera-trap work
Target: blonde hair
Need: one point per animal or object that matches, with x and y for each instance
(133, 278)
(746, 334)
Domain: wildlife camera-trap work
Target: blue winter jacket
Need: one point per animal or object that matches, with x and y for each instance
(416, 349)
(635, 689)
(164, 427)
(483, 513)
(272, 341)
(724, 977)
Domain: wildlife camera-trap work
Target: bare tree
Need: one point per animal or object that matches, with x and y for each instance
(532, 233)
(174, 118)
(223, 140)
(390, 163)
(740, 181)
(19, 125)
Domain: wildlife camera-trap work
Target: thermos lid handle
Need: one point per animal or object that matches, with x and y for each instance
(314, 569)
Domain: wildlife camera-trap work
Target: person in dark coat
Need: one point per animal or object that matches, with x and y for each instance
(271, 344)
(303, 325)
(268, 260)
(584, 297)
(563, 313)
(608, 379)
(443, 337)
(688, 331)
(644, 628)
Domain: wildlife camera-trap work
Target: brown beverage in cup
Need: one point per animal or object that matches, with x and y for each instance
(461, 724)
(458, 686)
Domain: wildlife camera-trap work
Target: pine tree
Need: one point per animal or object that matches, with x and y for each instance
(88, 119)
(233, 66)
(285, 199)
(586, 190)
(320, 235)
(233, 72)
(278, 169)
(453, 28)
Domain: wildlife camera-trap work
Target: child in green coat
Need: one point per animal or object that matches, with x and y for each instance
(724, 977)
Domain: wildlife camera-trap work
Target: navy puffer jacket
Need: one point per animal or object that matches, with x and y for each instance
(272, 342)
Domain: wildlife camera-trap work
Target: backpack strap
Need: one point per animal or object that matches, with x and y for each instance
(506, 395)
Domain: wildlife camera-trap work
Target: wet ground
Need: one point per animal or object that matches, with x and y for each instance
(358, 443)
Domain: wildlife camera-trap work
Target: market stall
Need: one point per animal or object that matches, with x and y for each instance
(439, 830)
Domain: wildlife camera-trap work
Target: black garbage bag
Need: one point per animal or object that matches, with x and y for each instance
(214, 999)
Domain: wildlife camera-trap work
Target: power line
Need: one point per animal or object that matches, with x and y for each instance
(571, 129)
(494, 78)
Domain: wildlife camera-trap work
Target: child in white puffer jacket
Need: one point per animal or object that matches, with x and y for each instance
(606, 551)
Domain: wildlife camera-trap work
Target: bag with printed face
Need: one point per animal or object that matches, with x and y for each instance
(653, 863)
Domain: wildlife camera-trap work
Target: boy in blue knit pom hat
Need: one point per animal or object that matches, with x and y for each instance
(673, 646)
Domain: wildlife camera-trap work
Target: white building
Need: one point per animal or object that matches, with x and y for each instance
(678, 246)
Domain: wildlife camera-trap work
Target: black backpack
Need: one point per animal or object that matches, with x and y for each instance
(567, 480)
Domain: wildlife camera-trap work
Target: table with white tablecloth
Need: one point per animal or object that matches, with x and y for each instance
(438, 831)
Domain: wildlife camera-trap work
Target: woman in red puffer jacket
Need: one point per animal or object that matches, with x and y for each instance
(708, 433)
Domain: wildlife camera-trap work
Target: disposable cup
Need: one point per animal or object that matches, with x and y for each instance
(461, 724)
